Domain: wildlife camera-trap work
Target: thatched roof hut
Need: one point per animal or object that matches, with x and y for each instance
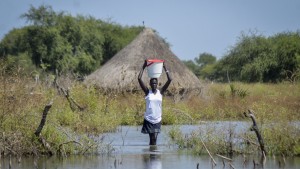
(120, 73)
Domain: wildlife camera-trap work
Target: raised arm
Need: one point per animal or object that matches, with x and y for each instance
(166, 85)
(143, 86)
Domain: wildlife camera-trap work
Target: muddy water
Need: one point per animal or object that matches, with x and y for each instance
(130, 150)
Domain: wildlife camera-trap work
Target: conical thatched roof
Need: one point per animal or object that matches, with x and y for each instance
(121, 71)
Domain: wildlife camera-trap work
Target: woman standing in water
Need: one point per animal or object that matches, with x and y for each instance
(152, 115)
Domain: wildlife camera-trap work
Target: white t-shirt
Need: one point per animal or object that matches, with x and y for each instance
(153, 107)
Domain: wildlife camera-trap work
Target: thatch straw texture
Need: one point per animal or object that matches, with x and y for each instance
(120, 73)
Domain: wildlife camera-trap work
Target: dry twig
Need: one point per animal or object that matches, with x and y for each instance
(208, 152)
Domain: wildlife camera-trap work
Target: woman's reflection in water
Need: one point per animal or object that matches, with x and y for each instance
(152, 160)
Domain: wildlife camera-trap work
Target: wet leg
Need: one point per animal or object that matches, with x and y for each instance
(153, 137)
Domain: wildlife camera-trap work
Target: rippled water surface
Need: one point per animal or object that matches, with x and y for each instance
(131, 151)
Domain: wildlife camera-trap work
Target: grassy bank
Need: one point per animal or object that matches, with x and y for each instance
(87, 111)
(276, 108)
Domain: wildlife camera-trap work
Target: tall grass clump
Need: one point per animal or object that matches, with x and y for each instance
(67, 129)
(229, 101)
(79, 113)
(98, 115)
(282, 138)
(279, 139)
(130, 108)
(276, 109)
(18, 111)
(215, 140)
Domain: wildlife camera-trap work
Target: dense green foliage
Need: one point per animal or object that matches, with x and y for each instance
(254, 58)
(58, 41)
(203, 66)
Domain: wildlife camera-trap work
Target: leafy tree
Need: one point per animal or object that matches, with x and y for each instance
(86, 63)
(21, 63)
(246, 51)
(205, 59)
(116, 38)
(256, 58)
(206, 62)
(42, 16)
(109, 48)
(57, 41)
(286, 48)
(203, 67)
(192, 66)
(14, 43)
(208, 72)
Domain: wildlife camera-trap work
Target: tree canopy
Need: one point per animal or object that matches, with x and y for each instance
(205, 59)
(64, 43)
(57, 41)
(254, 58)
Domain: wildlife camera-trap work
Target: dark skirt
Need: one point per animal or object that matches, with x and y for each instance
(150, 128)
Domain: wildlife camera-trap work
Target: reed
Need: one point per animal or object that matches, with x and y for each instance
(276, 109)
(69, 128)
(279, 139)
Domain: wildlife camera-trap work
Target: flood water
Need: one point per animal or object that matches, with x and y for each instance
(129, 149)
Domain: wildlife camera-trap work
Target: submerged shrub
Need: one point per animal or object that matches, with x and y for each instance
(282, 138)
(279, 139)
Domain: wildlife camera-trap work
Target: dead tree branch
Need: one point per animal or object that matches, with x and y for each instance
(257, 132)
(43, 120)
(71, 101)
(208, 152)
(65, 92)
(61, 147)
(226, 158)
(38, 131)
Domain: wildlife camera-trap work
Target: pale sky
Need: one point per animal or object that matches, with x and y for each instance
(191, 26)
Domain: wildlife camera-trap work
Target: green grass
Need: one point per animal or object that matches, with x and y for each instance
(22, 102)
(275, 108)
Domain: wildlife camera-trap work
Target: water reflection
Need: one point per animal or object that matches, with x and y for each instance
(152, 160)
(148, 160)
(133, 152)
